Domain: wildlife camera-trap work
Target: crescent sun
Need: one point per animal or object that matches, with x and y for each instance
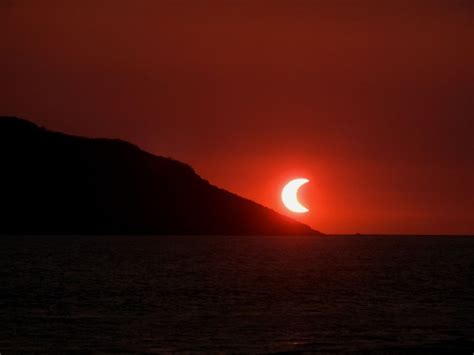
(289, 195)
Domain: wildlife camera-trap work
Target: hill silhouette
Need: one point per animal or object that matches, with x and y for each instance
(53, 183)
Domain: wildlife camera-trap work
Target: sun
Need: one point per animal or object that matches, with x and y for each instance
(289, 195)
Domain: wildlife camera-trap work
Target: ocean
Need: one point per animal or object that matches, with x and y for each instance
(155, 294)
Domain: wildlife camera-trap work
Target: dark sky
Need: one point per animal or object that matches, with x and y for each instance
(373, 101)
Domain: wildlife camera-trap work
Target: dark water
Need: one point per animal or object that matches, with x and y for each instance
(237, 294)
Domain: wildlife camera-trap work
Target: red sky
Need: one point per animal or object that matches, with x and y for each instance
(371, 100)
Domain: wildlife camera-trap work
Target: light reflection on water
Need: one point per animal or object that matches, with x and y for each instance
(249, 294)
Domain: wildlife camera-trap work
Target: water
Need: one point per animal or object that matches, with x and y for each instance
(229, 294)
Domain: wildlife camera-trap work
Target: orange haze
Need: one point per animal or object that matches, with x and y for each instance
(370, 100)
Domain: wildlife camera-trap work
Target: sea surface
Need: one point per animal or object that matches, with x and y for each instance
(155, 294)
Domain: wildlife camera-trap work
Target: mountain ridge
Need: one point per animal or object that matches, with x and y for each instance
(55, 183)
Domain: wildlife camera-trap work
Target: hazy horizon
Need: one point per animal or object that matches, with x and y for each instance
(373, 102)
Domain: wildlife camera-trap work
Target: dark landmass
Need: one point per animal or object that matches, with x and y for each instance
(53, 183)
